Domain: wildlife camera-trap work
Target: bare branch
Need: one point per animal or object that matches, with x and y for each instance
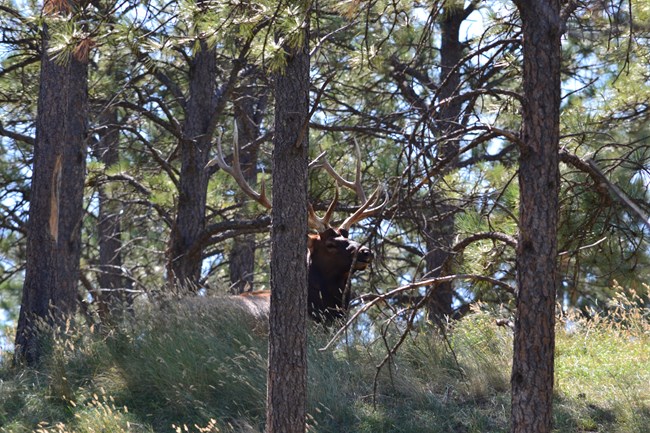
(620, 196)
(16, 136)
(375, 299)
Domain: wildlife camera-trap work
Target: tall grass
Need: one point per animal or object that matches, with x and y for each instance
(177, 369)
(603, 367)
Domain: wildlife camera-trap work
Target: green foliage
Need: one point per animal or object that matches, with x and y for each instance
(379, 68)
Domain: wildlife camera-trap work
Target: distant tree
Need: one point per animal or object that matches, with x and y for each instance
(200, 122)
(250, 106)
(441, 114)
(440, 230)
(287, 372)
(111, 293)
(201, 106)
(56, 199)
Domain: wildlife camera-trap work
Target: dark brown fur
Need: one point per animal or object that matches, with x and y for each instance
(332, 257)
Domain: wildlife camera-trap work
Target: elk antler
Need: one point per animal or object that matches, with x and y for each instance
(315, 222)
(322, 224)
(365, 210)
(235, 170)
(321, 161)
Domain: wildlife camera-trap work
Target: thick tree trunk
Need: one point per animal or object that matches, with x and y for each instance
(287, 373)
(184, 267)
(56, 201)
(532, 370)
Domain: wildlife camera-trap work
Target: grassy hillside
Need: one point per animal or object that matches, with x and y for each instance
(175, 371)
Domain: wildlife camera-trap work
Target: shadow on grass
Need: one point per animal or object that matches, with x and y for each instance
(582, 415)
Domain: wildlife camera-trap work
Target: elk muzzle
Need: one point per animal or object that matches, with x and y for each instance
(364, 257)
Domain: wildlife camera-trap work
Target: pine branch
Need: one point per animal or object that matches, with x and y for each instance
(16, 136)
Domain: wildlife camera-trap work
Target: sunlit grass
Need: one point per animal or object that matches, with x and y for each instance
(603, 367)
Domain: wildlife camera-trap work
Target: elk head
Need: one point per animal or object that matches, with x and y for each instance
(332, 258)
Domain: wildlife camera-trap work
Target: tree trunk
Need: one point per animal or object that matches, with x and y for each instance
(185, 262)
(534, 342)
(56, 201)
(111, 281)
(442, 228)
(287, 373)
(439, 237)
(249, 106)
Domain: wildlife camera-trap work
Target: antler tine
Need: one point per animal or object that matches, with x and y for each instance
(322, 224)
(321, 161)
(235, 170)
(357, 175)
(365, 210)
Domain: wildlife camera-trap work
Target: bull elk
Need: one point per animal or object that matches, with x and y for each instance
(331, 257)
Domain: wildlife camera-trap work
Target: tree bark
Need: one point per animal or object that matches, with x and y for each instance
(111, 281)
(441, 230)
(287, 373)
(184, 269)
(534, 341)
(56, 201)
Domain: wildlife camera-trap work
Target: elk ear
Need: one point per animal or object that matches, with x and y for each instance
(311, 240)
(344, 233)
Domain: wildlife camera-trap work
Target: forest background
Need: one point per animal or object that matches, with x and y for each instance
(425, 98)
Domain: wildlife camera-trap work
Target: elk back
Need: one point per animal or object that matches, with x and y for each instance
(252, 310)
